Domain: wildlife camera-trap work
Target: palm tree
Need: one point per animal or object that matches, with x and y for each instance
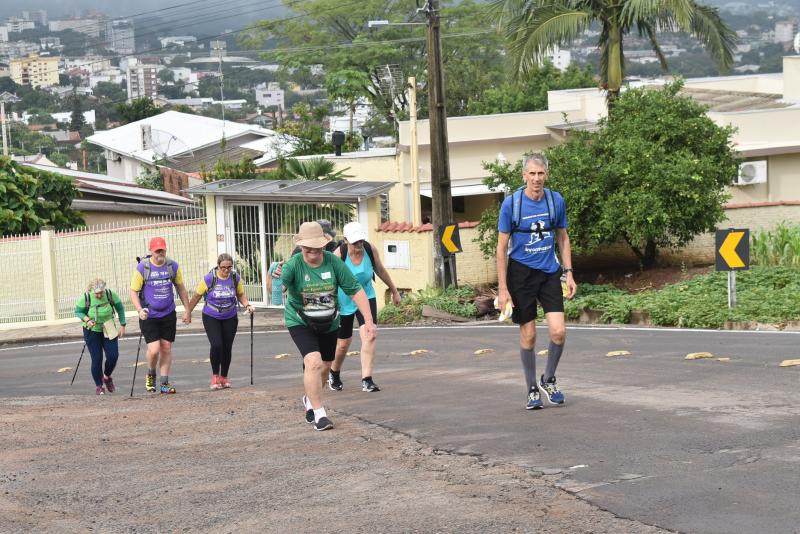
(533, 27)
(317, 168)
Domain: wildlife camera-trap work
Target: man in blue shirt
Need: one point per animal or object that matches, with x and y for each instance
(533, 221)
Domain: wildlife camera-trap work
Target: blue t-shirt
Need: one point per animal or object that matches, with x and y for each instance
(533, 244)
(363, 273)
(276, 298)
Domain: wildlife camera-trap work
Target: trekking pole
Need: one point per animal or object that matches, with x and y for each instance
(251, 348)
(79, 364)
(136, 365)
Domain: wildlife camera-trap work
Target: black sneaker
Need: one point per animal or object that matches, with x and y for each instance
(309, 412)
(334, 381)
(323, 424)
(369, 385)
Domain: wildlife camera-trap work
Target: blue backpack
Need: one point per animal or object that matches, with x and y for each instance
(516, 209)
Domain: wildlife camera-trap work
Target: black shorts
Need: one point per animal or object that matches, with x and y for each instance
(160, 328)
(346, 326)
(308, 341)
(529, 286)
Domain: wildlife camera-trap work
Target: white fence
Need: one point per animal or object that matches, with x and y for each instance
(43, 275)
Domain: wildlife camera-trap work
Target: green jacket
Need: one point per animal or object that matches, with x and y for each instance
(314, 289)
(99, 309)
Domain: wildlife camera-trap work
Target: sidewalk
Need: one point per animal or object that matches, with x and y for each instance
(265, 318)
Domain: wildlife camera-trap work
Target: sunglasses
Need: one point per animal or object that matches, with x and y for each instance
(310, 250)
(225, 267)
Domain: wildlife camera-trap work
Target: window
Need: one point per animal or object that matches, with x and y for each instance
(384, 207)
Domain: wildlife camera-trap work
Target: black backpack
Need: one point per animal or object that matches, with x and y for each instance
(367, 249)
(87, 299)
(146, 276)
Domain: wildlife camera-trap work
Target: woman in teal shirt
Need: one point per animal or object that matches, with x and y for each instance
(96, 309)
(364, 262)
(312, 280)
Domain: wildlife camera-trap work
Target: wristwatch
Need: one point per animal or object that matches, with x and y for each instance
(568, 270)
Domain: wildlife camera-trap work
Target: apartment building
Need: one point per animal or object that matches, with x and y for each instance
(16, 25)
(142, 79)
(269, 95)
(120, 36)
(90, 27)
(35, 71)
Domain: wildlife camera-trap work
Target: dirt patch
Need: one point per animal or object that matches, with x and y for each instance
(245, 460)
(634, 280)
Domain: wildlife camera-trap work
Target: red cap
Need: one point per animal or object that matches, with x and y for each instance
(157, 243)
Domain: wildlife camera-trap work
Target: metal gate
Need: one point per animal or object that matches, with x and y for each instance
(263, 233)
(248, 248)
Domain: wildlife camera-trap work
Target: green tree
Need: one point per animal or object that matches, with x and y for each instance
(151, 179)
(334, 34)
(139, 109)
(317, 168)
(30, 199)
(109, 90)
(76, 119)
(654, 177)
(533, 27)
(347, 86)
(24, 141)
(513, 97)
(307, 127)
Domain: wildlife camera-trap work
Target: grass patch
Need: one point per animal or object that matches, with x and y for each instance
(451, 300)
(764, 295)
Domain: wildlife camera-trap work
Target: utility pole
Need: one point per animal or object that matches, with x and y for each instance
(416, 214)
(5, 96)
(441, 197)
(3, 126)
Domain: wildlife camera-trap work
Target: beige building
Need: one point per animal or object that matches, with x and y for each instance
(35, 71)
(764, 108)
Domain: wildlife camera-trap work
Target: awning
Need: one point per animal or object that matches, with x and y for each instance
(462, 190)
(293, 190)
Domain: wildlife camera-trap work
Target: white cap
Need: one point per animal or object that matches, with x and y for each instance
(354, 232)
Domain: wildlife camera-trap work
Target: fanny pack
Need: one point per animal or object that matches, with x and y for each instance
(320, 325)
(110, 330)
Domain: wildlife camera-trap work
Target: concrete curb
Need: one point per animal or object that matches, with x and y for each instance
(269, 319)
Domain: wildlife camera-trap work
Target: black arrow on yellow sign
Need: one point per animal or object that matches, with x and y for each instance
(451, 240)
(732, 249)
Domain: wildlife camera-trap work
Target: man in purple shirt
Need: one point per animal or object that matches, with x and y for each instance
(152, 296)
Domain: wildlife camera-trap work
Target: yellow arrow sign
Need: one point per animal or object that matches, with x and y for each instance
(728, 250)
(447, 239)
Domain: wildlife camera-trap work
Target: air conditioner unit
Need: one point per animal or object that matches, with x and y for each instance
(752, 172)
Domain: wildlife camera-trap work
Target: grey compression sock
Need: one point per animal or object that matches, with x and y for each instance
(165, 379)
(553, 356)
(528, 366)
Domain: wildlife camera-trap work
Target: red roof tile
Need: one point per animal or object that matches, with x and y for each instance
(409, 227)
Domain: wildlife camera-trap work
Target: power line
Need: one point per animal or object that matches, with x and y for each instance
(224, 34)
(210, 16)
(134, 15)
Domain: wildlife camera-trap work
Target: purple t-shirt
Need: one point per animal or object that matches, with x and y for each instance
(221, 301)
(157, 289)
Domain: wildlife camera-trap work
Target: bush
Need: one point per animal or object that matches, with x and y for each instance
(764, 294)
(451, 300)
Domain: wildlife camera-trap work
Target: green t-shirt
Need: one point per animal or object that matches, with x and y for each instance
(314, 289)
(100, 309)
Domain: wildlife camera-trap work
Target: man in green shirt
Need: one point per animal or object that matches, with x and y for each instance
(312, 280)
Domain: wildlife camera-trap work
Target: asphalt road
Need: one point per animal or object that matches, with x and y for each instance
(692, 446)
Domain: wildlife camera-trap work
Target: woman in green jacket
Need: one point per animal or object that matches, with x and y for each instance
(96, 309)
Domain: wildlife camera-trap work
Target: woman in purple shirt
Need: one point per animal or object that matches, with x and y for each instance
(221, 288)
